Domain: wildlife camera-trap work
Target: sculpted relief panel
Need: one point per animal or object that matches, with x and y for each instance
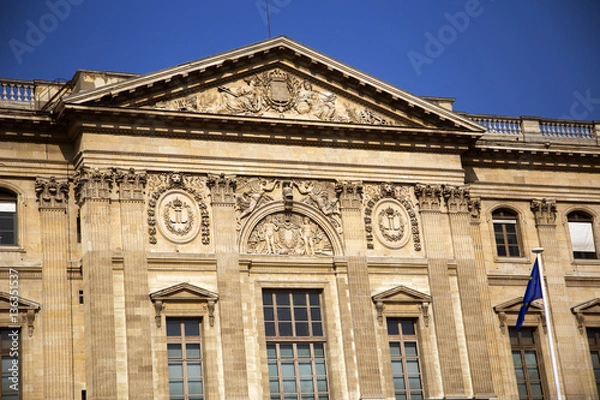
(289, 234)
(277, 94)
(176, 207)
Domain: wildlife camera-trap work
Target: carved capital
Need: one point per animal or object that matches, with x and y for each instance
(52, 194)
(222, 188)
(474, 207)
(350, 194)
(428, 197)
(131, 185)
(456, 197)
(93, 184)
(544, 211)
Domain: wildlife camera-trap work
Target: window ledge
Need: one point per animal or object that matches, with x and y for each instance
(11, 249)
(512, 260)
(582, 261)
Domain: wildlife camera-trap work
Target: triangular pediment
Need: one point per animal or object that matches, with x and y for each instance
(7, 302)
(184, 292)
(588, 307)
(401, 294)
(514, 306)
(277, 78)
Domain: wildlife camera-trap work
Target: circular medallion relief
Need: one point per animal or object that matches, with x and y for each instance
(391, 224)
(178, 217)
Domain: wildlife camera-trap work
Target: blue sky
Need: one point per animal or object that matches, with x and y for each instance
(511, 57)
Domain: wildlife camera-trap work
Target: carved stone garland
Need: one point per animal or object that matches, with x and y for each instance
(400, 194)
(176, 214)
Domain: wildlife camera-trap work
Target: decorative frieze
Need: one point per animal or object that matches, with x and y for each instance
(457, 198)
(544, 211)
(131, 185)
(52, 194)
(177, 208)
(428, 197)
(390, 215)
(289, 234)
(93, 184)
(321, 196)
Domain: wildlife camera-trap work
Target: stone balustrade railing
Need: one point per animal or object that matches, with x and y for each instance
(27, 94)
(532, 129)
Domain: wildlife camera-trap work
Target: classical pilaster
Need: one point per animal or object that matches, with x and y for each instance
(489, 320)
(228, 282)
(429, 197)
(569, 361)
(457, 203)
(138, 310)
(93, 190)
(350, 197)
(52, 196)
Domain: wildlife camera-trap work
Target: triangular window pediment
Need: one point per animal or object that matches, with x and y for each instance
(183, 293)
(16, 307)
(402, 296)
(588, 311)
(512, 308)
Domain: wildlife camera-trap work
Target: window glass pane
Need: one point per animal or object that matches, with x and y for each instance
(193, 350)
(175, 370)
(285, 329)
(194, 370)
(173, 327)
(284, 314)
(299, 299)
(302, 329)
(397, 367)
(530, 357)
(271, 351)
(286, 351)
(174, 350)
(305, 368)
(395, 349)
(399, 383)
(267, 298)
(595, 358)
(412, 366)
(319, 350)
(314, 299)
(315, 314)
(320, 368)
(410, 348)
(8, 207)
(408, 327)
(534, 374)
(270, 328)
(289, 386)
(176, 387)
(301, 314)
(414, 383)
(307, 385)
(392, 326)
(7, 238)
(303, 350)
(317, 329)
(192, 328)
(195, 386)
(282, 298)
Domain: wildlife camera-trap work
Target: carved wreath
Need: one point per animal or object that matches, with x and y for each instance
(167, 217)
(392, 233)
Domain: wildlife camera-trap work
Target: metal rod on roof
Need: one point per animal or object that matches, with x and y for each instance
(268, 18)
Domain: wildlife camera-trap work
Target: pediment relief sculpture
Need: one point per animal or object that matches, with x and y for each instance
(176, 208)
(277, 94)
(289, 234)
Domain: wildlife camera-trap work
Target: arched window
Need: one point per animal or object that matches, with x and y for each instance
(8, 218)
(506, 232)
(581, 230)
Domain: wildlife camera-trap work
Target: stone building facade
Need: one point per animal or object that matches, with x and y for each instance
(269, 223)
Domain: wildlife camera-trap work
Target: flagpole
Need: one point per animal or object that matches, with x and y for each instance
(538, 252)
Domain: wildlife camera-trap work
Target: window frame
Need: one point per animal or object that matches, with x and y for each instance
(183, 340)
(522, 348)
(507, 217)
(401, 338)
(581, 216)
(317, 359)
(8, 196)
(8, 352)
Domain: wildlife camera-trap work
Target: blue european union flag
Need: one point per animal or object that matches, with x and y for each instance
(533, 292)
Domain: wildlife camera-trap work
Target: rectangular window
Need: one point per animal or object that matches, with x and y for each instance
(184, 352)
(527, 364)
(404, 352)
(8, 222)
(11, 364)
(295, 345)
(594, 343)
